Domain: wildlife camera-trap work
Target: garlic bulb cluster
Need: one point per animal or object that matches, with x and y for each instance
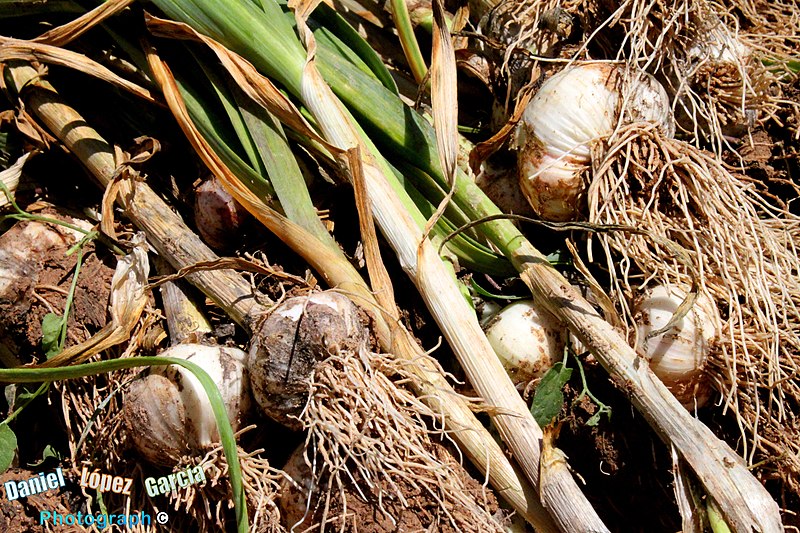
(299, 333)
(527, 340)
(679, 355)
(168, 413)
(573, 108)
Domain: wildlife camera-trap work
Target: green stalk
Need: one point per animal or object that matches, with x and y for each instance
(405, 30)
(37, 375)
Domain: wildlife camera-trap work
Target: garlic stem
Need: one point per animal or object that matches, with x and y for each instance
(185, 322)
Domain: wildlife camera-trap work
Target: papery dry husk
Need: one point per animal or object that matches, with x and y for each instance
(372, 459)
(739, 247)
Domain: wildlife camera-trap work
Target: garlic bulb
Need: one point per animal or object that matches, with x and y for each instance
(168, 412)
(295, 502)
(527, 341)
(679, 355)
(217, 215)
(288, 344)
(717, 84)
(575, 107)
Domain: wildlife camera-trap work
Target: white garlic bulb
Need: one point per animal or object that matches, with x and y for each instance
(717, 84)
(573, 108)
(679, 355)
(168, 412)
(527, 340)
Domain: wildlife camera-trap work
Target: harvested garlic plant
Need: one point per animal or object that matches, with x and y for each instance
(175, 408)
(527, 341)
(678, 356)
(575, 107)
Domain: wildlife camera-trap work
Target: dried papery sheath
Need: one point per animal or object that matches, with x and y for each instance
(574, 108)
(10, 178)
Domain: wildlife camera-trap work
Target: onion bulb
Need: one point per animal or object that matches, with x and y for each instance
(299, 333)
(527, 340)
(572, 109)
(679, 355)
(168, 412)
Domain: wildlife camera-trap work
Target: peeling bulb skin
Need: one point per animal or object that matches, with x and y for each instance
(286, 347)
(573, 109)
(155, 420)
(168, 413)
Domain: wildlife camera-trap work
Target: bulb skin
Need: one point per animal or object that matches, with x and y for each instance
(678, 356)
(167, 412)
(299, 333)
(527, 340)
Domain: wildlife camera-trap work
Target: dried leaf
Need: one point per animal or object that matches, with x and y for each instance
(16, 49)
(444, 93)
(10, 178)
(70, 31)
(484, 149)
(378, 275)
(444, 100)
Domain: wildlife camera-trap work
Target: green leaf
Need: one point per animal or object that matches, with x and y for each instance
(8, 446)
(548, 399)
(595, 419)
(486, 294)
(51, 331)
(48, 452)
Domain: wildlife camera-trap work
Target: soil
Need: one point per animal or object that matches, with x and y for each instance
(625, 467)
(419, 513)
(48, 276)
(22, 515)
